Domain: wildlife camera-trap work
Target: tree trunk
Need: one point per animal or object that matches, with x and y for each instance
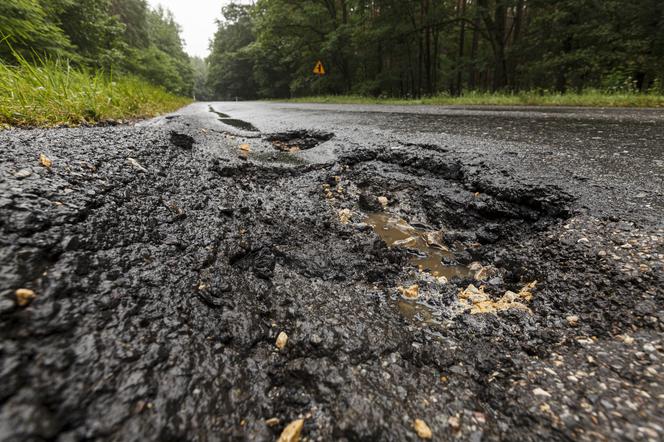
(500, 77)
(461, 12)
(472, 71)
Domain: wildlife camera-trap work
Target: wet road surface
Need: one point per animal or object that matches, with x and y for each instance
(489, 273)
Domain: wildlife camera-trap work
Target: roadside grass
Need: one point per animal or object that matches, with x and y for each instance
(590, 98)
(53, 93)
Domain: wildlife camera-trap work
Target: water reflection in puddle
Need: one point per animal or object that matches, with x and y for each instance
(425, 246)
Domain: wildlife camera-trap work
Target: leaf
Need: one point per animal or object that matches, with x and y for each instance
(292, 432)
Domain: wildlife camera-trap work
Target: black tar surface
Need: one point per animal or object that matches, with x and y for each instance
(163, 271)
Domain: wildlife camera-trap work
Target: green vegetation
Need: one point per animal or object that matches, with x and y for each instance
(586, 98)
(105, 59)
(424, 48)
(54, 93)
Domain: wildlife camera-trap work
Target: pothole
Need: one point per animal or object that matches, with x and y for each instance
(183, 141)
(297, 140)
(425, 247)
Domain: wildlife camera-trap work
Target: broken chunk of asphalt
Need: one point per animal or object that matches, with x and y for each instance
(183, 141)
(370, 203)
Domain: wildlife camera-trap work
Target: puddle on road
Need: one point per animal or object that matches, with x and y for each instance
(219, 114)
(427, 251)
(240, 124)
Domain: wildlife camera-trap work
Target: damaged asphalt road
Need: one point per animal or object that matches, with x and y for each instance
(472, 274)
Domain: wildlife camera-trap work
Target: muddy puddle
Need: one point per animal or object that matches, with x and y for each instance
(426, 249)
(416, 312)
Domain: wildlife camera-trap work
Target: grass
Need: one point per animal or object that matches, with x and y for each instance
(590, 98)
(53, 93)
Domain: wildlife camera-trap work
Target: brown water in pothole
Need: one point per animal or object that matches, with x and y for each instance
(425, 246)
(415, 312)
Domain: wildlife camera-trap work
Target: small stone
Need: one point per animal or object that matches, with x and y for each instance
(383, 201)
(24, 297)
(45, 161)
(6, 305)
(282, 340)
(422, 429)
(139, 407)
(136, 165)
(626, 339)
(540, 392)
(572, 320)
(23, 173)
(454, 422)
(344, 216)
(411, 292)
(292, 432)
(649, 348)
(272, 422)
(475, 266)
(485, 273)
(479, 417)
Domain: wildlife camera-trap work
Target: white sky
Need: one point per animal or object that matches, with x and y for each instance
(197, 20)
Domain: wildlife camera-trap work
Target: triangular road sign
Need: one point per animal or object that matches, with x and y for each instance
(319, 69)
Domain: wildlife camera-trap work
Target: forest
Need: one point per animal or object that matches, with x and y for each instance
(370, 48)
(420, 48)
(117, 37)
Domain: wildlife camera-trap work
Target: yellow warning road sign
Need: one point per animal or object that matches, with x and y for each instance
(319, 69)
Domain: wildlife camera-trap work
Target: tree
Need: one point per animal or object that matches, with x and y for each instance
(200, 71)
(27, 28)
(95, 34)
(231, 60)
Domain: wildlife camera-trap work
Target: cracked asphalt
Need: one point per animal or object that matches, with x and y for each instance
(149, 269)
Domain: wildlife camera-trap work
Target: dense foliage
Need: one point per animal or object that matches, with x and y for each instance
(114, 36)
(426, 47)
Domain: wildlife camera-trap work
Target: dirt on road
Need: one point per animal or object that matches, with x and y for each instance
(190, 281)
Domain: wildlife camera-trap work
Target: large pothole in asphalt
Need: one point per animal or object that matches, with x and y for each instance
(451, 238)
(297, 140)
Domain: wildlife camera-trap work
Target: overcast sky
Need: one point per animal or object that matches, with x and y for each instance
(197, 19)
